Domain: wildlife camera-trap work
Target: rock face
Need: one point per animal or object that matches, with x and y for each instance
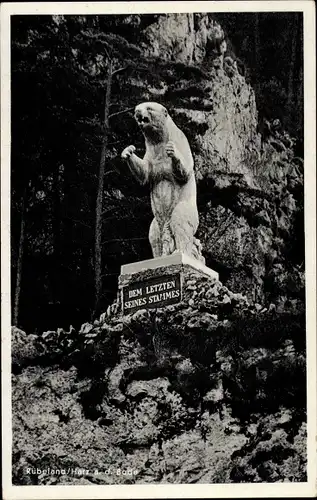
(182, 37)
(250, 232)
(188, 393)
(223, 104)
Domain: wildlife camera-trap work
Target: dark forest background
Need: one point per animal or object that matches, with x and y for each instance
(76, 213)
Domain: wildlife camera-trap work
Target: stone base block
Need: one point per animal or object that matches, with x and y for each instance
(158, 282)
(177, 258)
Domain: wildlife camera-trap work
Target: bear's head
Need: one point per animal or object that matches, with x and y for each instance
(151, 118)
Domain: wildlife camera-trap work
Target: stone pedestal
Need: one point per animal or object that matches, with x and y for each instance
(158, 282)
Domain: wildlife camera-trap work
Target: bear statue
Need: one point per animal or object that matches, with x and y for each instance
(168, 169)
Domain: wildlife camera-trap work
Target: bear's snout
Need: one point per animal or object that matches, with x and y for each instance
(142, 118)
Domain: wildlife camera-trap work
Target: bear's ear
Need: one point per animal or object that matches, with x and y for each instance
(165, 112)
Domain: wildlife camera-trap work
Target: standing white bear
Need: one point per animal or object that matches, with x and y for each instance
(168, 169)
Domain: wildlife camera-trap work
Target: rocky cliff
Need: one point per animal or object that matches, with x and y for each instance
(210, 390)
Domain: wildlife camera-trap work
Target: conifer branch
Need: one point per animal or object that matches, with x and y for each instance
(119, 70)
(121, 112)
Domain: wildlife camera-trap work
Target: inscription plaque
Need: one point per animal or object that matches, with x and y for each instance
(152, 293)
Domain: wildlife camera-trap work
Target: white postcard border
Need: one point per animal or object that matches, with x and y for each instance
(259, 490)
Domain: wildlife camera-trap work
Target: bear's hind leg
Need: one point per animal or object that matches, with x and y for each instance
(182, 230)
(155, 239)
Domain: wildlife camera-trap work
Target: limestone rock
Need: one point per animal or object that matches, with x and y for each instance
(85, 328)
(25, 348)
(147, 388)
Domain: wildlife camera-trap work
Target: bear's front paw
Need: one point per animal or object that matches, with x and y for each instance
(170, 150)
(127, 152)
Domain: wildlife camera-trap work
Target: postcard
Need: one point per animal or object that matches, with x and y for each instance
(158, 241)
